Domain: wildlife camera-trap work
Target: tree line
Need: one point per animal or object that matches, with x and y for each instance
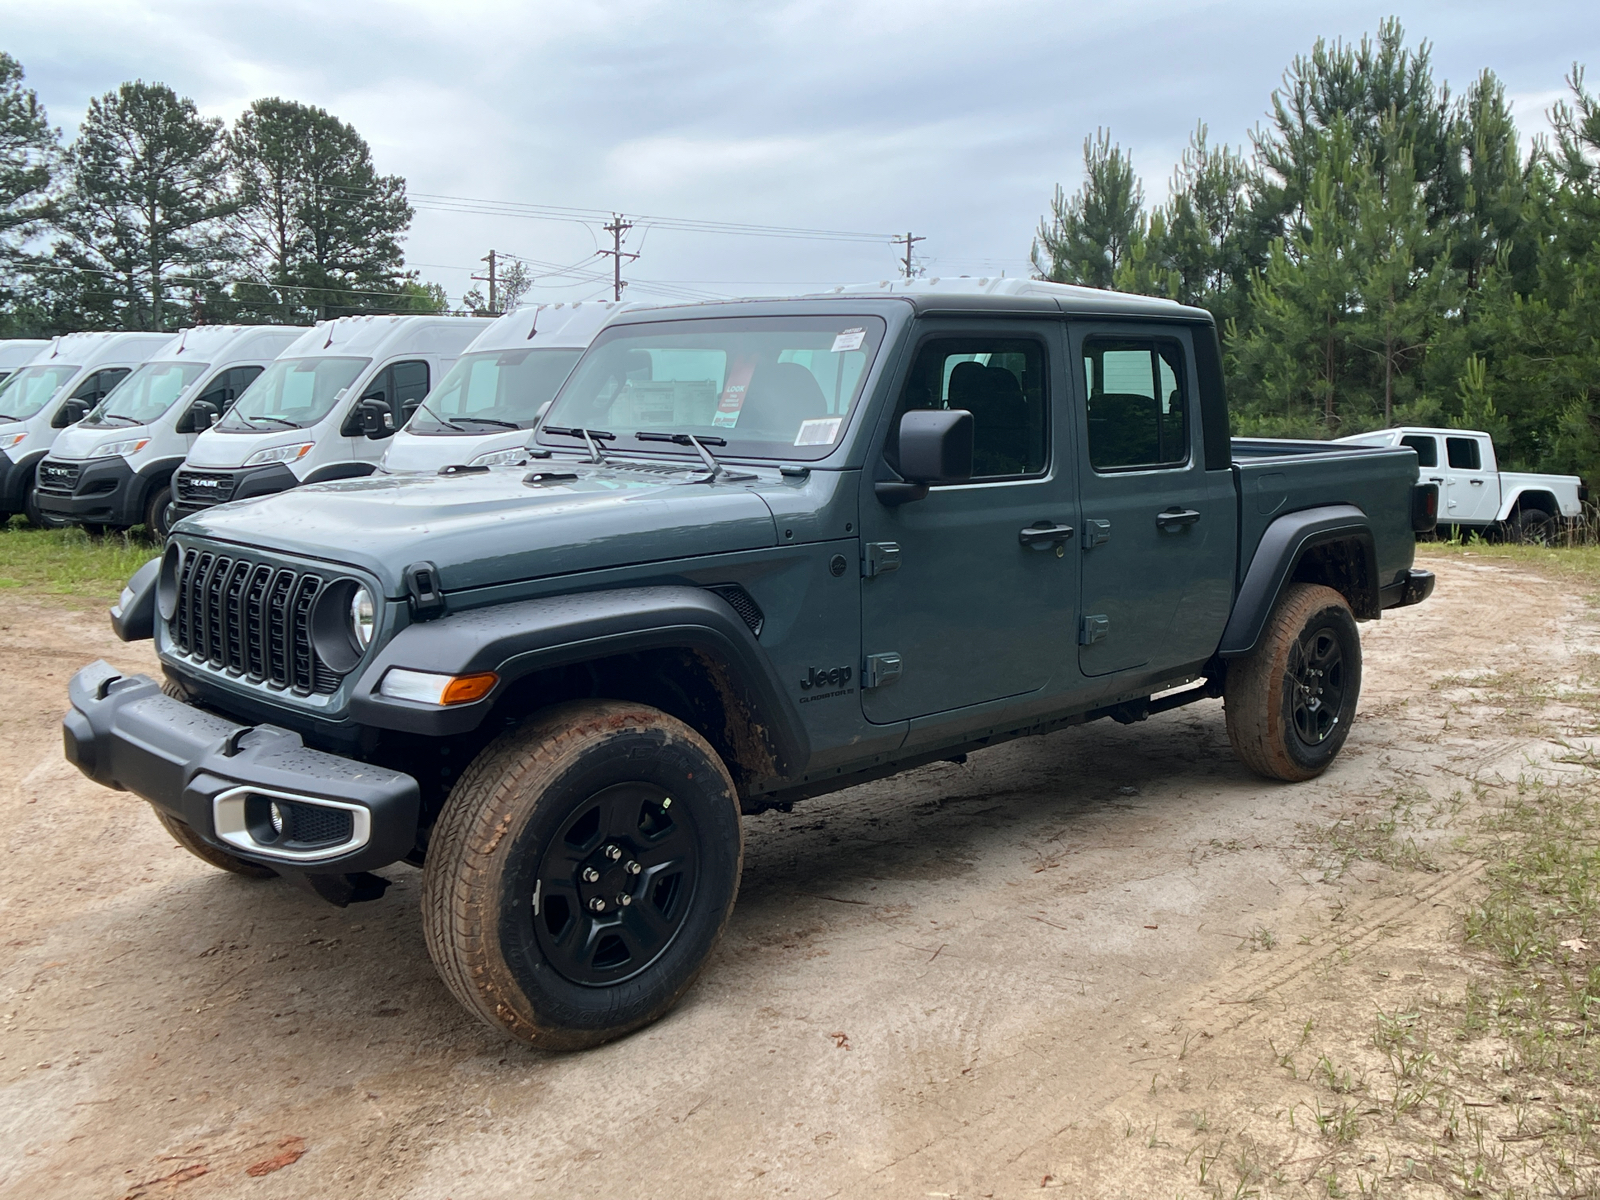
(155, 216)
(1383, 253)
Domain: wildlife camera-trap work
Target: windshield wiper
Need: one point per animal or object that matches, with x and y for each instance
(445, 421)
(592, 438)
(9, 417)
(107, 418)
(279, 420)
(486, 421)
(718, 471)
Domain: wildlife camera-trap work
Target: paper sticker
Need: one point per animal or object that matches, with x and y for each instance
(850, 339)
(819, 431)
(731, 401)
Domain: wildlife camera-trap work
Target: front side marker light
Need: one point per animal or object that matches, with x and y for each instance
(429, 687)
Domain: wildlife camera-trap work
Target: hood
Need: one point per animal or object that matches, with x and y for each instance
(214, 449)
(493, 528)
(76, 442)
(418, 452)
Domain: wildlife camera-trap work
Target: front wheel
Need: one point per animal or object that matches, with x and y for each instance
(155, 514)
(1291, 701)
(581, 873)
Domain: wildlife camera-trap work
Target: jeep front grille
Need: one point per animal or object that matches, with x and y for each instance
(250, 619)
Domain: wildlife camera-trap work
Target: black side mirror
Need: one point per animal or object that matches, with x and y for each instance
(72, 411)
(935, 447)
(376, 417)
(202, 415)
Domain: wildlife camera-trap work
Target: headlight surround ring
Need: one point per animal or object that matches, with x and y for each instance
(343, 623)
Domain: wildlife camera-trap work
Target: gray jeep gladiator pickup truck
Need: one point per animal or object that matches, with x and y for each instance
(758, 551)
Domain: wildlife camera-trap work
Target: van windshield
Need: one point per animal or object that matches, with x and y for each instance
(30, 389)
(146, 394)
(292, 393)
(771, 387)
(493, 389)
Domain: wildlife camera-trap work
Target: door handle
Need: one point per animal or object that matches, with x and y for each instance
(1176, 518)
(1475, 482)
(1044, 535)
(1435, 478)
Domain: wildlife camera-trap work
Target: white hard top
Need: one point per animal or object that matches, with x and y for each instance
(225, 343)
(375, 336)
(1384, 437)
(551, 326)
(996, 285)
(17, 351)
(97, 349)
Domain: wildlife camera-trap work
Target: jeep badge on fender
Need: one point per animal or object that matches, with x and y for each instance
(821, 677)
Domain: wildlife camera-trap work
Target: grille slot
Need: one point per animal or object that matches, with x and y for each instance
(251, 619)
(313, 824)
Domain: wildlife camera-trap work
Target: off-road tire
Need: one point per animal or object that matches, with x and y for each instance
(155, 514)
(1261, 698)
(514, 830)
(221, 859)
(1532, 527)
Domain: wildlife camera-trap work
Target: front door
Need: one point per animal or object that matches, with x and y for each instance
(968, 595)
(1159, 529)
(1472, 491)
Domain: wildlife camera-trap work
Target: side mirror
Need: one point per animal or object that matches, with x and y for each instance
(935, 447)
(376, 418)
(202, 415)
(72, 411)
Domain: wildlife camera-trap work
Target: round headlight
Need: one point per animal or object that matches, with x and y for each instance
(361, 617)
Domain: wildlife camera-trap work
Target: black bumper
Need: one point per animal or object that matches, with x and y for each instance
(100, 491)
(1413, 587)
(209, 773)
(196, 489)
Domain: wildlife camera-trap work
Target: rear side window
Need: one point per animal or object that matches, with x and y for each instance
(1427, 448)
(1000, 381)
(1137, 403)
(1463, 454)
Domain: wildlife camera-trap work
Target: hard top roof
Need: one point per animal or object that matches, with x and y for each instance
(549, 326)
(92, 349)
(368, 336)
(205, 343)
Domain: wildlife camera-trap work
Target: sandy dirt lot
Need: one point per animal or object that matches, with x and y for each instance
(1013, 975)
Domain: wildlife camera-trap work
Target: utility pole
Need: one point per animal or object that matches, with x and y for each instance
(490, 280)
(616, 229)
(908, 241)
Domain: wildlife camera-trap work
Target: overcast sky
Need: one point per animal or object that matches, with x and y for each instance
(877, 116)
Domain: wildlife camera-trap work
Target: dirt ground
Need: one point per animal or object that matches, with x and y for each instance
(1058, 966)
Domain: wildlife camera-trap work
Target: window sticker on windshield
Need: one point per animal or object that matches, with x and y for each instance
(732, 399)
(819, 431)
(850, 339)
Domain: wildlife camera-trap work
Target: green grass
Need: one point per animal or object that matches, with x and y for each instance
(68, 563)
(1580, 564)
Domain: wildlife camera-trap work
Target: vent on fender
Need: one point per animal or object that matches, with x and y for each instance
(742, 603)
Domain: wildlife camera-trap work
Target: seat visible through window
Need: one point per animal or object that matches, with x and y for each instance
(1001, 383)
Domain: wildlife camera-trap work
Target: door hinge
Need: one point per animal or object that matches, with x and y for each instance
(880, 669)
(1093, 629)
(1096, 533)
(879, 558)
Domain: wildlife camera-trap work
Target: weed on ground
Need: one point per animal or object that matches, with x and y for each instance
(69, 563)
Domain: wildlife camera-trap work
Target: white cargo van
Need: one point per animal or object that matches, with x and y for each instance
(480, 413)
(114, 468)
(324, 410)
(16, 351)
(56, 388)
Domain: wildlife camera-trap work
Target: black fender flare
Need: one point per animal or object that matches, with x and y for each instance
(517, 639)
(21, 482)
(152, 476)
(1279, 552)
(133, 617)
(340, 470)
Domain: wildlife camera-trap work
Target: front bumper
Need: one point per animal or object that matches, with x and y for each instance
(222, 779)
(99, 491)
(195, 489)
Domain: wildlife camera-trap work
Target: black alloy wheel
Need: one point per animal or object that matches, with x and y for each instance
(613, 886)
(1316, 677)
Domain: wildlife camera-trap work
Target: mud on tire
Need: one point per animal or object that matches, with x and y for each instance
(1290, 702)
(581, 873)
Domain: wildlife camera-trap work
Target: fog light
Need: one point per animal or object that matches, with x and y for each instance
(275, 814)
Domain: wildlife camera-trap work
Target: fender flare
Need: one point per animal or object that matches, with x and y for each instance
(1508, 504)
(22, 473)
(1279, 552)
(518, 639)
(154, 475)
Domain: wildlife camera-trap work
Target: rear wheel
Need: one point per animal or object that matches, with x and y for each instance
(581, 873)
(1533, 527)
(1290, 702)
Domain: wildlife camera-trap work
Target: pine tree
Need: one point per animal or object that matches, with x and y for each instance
(140, 220)
(322, 227)
(1089, 236)
(29, 158)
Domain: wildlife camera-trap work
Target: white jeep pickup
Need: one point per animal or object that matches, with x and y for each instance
(1475, 494)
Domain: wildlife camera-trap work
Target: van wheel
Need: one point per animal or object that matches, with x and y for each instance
(581, 873)
(35, 515)
(155, 514)
(1291, 701)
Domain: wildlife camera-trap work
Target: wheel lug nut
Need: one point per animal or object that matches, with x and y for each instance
(613, 853)
(623, 900)
(632, 867)
(590, 875)
(597, 905)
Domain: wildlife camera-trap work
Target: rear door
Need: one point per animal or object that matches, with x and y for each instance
(1159, 530)
(958, 604)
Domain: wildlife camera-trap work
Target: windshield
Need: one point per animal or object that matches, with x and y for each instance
(494, 389)
(773, 387)
(146, 394)
(30, 389)
(292, 393)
